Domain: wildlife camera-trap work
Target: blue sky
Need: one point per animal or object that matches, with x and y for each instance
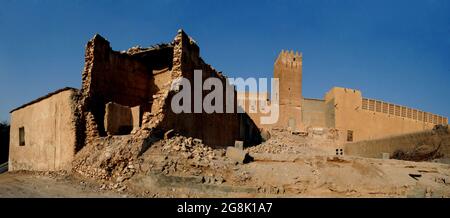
(396, 51)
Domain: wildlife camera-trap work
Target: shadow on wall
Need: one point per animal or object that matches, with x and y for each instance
(250, 133)
(419, 146)
(434, 149)
(4, 142)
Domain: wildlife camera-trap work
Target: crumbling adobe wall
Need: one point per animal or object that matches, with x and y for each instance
(217, 129)
(143, 76)
(126, 78)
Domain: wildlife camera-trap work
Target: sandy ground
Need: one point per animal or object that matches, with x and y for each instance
(285, 166)
(271, 175)
(25, 185)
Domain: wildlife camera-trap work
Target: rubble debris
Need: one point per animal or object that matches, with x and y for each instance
(239, 145)
(304, 134)
(265, 134)
(237, 155)
(283, 142)
(419, 153)
(169, 134)
(415, 176)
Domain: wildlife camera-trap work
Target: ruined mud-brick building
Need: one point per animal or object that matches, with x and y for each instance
(344, 110)
(127, 92)
(42, 134)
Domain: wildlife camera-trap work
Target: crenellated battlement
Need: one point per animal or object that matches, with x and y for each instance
(289, 59)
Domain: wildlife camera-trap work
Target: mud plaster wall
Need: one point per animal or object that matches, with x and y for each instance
(315, 113)
(251, 102)
(49, 134)
(375, 148)
(123, 78)
(134, 78)
(349, 115)
(218, 129)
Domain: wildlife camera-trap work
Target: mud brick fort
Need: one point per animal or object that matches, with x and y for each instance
(128, 93)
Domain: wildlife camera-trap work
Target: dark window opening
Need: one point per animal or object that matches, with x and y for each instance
(349, 136)
(21, 136)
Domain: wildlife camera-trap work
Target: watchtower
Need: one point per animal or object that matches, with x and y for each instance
(288, 69)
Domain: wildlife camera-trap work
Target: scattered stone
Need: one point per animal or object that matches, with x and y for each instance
(415, 176)
(239, 145)
(121, 189)
(169, 134)
(237, 155)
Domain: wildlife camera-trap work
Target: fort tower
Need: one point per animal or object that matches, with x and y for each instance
(288, 69)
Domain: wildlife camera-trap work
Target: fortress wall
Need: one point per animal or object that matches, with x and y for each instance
(315, 113)
(366, 124)
(250, 103)
(407, 142)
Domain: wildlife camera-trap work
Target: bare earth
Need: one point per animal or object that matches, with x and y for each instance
(284, 166)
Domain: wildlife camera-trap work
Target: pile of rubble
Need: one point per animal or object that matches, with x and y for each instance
(189, 148)
(113, 160)
(110, 158)
(281, 141)
(186, 156)
(288, 142)
(419, 153)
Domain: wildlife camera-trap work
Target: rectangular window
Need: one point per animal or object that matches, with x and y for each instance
(397, 110)
(364, 104)
(391, 109)
(414, 115)
(21, 136)
(378, 106)
(385, 107)
(349, 135)
(403, 112)
(372, 105)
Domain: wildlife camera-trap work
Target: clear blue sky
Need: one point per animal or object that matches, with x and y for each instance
(397, 51)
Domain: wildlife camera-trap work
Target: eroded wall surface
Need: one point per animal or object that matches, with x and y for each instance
(49, 134)
(143, 77)
(217, 129)
(129, 78)
(315, 113)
